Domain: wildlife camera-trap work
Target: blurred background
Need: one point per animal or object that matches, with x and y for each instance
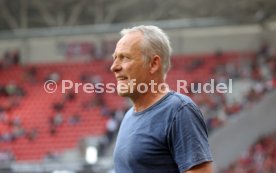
(72, 132)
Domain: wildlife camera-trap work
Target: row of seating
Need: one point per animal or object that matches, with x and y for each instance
(35, 107)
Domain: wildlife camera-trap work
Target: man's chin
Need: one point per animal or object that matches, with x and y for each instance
(123, 94)
(123, 89)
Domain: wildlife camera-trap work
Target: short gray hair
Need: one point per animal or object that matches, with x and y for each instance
(155, 42)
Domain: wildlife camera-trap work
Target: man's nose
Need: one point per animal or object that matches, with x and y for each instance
(115, 67)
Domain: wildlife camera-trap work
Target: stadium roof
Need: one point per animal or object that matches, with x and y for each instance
(23, 14)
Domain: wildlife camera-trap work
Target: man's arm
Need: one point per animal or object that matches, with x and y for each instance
(206, 167)
(188, 141)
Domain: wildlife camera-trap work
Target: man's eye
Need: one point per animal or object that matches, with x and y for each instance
(122, 58)
(126, 57)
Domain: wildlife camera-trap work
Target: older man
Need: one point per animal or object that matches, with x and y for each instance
(164, 131)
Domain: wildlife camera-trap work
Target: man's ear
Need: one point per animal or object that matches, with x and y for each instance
(155, 64)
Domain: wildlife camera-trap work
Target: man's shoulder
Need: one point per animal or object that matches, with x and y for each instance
(129, 111)
(180, 100)
(172, 102)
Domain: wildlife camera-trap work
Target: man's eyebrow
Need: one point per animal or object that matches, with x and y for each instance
(120, 54)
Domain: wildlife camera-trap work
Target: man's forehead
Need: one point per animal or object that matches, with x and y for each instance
(130, 38)
(127, 42)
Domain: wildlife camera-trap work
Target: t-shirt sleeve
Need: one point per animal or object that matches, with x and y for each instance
(188, 138)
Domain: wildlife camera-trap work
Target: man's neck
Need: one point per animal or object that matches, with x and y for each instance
(144, 101)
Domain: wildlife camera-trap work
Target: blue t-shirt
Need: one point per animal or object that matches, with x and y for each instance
(168, 137)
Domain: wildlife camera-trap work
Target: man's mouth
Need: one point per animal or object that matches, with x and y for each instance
(121, 78)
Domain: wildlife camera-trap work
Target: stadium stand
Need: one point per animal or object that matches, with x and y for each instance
(54, 122)
(50, 122)
(260, 157)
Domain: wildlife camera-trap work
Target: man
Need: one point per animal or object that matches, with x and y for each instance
(164, 131)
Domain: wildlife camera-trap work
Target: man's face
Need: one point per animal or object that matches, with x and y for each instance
(129, 65)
